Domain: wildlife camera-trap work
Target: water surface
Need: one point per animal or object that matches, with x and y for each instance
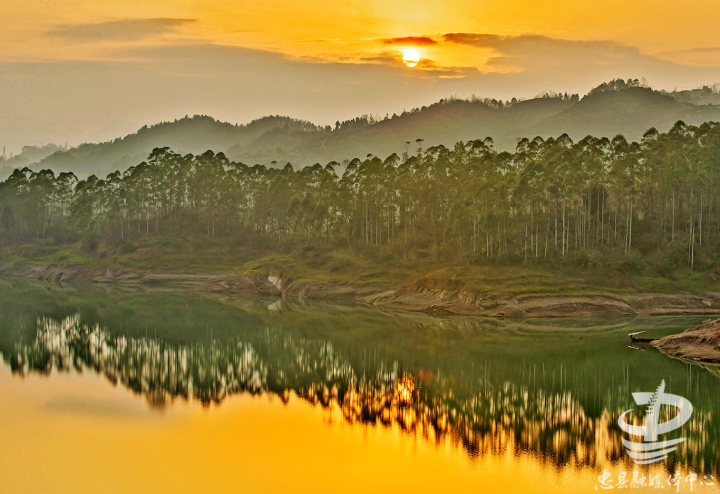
(120, 389)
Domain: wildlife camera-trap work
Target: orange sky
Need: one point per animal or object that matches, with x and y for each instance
(351, 30)
(343, 57)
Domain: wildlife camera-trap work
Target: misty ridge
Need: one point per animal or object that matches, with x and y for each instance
(615, 107)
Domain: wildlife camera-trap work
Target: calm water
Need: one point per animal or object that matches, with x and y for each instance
(116, 389)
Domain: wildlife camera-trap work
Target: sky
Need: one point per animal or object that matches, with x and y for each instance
(75, 71)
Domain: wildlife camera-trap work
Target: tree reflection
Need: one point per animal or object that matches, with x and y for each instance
(484, 416)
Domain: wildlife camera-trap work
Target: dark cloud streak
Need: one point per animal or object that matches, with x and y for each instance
(702, 49)
(410, 40)
(473, 39)
(120, 30)
(531, 52)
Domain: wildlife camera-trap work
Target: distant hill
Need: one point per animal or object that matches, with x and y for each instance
(445, 122)
(28, 156)
(629, 111)
(187, 135)
(700, 96)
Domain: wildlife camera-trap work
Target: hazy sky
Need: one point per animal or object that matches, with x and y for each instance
(78, 70)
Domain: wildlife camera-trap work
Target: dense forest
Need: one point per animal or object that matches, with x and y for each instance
(592, 203)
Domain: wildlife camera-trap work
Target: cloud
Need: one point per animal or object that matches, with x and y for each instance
(410, 40)
(474, 39)
(563, 58)
(324, 40)
(425, 69)
(120, 30)
(701, 49)
(147, 84)
(702, 56)
(538, 47)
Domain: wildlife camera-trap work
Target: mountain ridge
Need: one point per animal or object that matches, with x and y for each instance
(280, 139)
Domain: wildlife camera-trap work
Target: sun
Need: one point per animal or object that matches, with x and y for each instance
(411, 57)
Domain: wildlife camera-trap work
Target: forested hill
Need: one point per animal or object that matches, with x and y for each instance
(602, 113)
(628, 112)
(648, 206)
(188, 135)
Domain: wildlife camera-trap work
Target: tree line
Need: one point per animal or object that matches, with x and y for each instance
(591, 202)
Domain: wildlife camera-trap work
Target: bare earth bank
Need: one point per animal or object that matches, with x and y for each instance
(398, 298)
(698, 344)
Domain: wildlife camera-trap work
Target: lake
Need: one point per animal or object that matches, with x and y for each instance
(135, 389)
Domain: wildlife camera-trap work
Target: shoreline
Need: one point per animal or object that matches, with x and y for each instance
(395, 297)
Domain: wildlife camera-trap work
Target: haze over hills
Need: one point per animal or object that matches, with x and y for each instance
(608, 110)
(629, 112)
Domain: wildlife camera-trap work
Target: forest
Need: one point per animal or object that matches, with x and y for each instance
(594, 203)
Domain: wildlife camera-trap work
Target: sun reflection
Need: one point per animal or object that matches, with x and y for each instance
(406, 387)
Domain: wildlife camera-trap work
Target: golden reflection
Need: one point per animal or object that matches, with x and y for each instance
(405, 388)
(494, 419)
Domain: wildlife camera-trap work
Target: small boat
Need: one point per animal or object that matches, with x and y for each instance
(640, 339)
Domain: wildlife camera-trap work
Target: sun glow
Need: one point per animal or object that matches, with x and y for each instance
(411, 57)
